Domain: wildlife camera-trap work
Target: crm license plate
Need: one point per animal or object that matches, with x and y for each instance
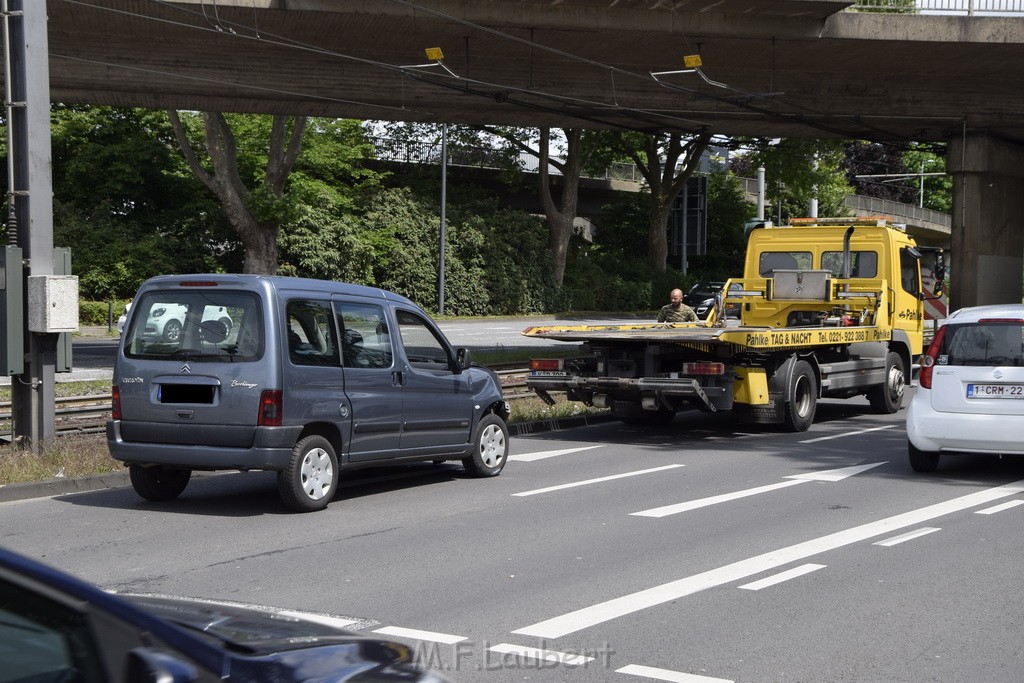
(995, 391)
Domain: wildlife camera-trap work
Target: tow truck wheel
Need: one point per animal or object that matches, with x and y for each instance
(803, 398)
(886, 398)
(158, 483)
(650, 418)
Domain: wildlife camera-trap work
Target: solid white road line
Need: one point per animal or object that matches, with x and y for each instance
(667, 675)
(782, 576)
(845, 434)
(676, 508)
(420, 635)
(999, 508)
(909, 536)
(530, 457)
(634, 602)
(541, 655)
(596, 481)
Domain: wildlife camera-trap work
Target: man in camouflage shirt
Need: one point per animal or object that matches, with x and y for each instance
(676, 311)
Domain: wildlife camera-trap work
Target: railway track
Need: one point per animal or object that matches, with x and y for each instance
(76, 415)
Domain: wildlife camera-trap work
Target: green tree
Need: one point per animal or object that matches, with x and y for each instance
(728, 213)
(666, 161)
(796, 171)
(253, 197)
(125, 203)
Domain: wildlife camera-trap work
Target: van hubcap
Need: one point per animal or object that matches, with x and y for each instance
(492, 445)
(317, 474)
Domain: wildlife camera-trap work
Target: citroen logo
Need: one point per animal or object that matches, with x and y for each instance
(185, 369)
(998, 374)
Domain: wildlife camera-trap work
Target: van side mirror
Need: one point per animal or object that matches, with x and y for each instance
(462, 361)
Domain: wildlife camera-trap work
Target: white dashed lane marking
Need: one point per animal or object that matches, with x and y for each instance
(597, 480)
(530, 457)
(415, 634)
(782, 576)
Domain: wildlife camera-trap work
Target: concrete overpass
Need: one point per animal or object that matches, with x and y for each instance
(779, 68)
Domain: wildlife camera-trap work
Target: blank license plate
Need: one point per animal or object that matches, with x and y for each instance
(995, 391)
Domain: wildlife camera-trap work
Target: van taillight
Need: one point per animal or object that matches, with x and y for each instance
(924, 378)
(270, 408)
(115, 403)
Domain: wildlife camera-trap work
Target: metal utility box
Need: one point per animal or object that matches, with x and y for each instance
(806, 285)
(53, 303)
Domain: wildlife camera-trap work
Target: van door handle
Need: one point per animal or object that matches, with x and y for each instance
(397, 379)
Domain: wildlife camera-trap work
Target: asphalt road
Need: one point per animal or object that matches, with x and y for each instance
(704, 551)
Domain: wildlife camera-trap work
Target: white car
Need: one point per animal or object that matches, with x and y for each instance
(166, 320)
(970, 397)
(123, 318)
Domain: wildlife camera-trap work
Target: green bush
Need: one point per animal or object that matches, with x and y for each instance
(97, 312)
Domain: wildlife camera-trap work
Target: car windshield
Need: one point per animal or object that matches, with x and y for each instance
(195, 325)
(984, 343)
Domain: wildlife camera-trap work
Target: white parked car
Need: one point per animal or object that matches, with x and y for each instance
(166, 320)
(970, 397)
(123, 318)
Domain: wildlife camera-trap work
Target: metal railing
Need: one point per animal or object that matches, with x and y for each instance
(965, 7)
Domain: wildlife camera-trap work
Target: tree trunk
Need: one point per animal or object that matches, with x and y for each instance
(562, 217)
(259, 238)
(657, 164)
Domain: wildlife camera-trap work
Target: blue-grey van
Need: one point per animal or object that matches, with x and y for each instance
(302, 377)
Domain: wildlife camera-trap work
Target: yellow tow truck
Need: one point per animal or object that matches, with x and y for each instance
(829, 308)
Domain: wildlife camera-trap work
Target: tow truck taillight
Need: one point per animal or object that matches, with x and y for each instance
(271, 412)
(703, 368)
(548, 364)
(115, 403)
(924, 377)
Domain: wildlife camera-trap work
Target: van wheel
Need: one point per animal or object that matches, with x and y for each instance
(922, 461)
(886, 398)
(310, 479)
(803, 398)
(490, 448)
(158, 483)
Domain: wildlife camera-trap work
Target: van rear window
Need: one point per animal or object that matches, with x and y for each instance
(197, 325)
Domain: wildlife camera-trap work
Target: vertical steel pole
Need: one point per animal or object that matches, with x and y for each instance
(32, 393)
(760, 193)
(444, 208)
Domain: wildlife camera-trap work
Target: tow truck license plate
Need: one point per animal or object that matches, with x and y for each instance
(548, 373)
(995, 391)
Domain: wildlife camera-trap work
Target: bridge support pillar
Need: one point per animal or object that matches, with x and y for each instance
(987, 263)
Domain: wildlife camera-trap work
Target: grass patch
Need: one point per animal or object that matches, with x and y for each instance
(68, 456)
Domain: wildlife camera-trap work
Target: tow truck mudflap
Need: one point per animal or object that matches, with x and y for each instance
(660, 386)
